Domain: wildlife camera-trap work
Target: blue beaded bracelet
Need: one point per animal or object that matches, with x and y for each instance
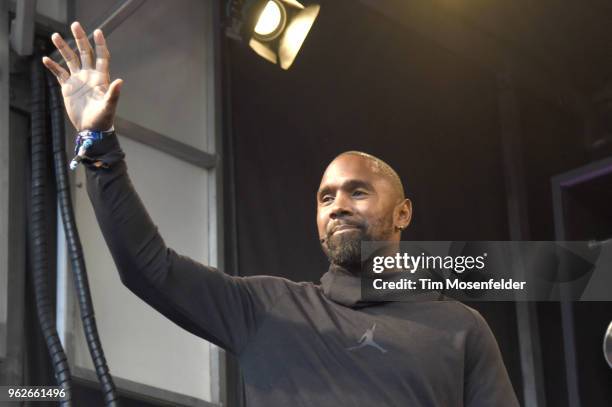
(83, 141)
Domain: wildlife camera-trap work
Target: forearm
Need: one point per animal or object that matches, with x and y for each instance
(137, 248)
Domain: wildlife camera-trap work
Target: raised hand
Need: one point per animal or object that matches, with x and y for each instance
(90, 99)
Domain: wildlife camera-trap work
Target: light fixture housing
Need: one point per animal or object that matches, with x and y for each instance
(274, 29)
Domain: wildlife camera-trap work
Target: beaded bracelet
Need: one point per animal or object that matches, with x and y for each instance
(83, 142)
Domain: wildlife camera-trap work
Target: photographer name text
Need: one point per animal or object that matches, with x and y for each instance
(447, 284)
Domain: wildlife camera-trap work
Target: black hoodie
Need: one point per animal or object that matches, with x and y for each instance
(301, 344)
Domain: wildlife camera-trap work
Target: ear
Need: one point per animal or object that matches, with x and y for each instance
(403, 214)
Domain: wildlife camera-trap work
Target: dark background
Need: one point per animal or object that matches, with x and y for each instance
(428, 99)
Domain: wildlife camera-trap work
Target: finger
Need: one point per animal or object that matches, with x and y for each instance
(102, 54)
(60, 73)
(69, 56)
(111, 96)
(85, 50)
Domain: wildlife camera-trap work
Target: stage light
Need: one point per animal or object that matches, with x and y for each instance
(271, 21)
(274, 29)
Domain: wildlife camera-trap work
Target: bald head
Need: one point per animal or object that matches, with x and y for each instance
(380, 168)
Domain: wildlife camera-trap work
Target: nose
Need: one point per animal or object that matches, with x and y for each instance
(341, 207)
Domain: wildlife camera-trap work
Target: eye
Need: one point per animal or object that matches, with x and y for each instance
(359, 193)
(327, 199)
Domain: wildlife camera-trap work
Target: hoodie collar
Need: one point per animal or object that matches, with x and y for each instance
(343, 287)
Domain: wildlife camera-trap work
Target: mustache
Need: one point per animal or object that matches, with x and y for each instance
(331, 226)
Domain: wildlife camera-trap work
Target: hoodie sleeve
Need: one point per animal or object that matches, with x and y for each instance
(220, 308)
(486, 378)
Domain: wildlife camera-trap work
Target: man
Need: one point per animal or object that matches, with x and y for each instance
(297, 343)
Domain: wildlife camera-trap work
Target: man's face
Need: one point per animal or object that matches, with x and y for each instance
(355, 202)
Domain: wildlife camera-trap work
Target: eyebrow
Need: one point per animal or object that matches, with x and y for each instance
(349, 184)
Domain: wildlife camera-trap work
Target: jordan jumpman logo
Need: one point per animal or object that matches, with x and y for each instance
(367, 339)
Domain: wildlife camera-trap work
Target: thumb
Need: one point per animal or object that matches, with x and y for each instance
(112, 94)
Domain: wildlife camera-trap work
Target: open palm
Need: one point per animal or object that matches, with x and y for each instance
(90, 99)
